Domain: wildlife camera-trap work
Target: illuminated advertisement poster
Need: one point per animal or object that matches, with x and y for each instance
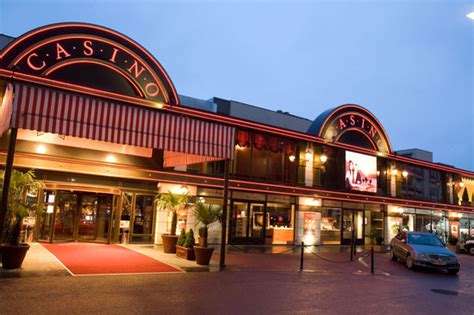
(309, 226)
(361, 172)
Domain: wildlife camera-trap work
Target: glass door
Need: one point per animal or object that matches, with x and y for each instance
(143, 219)
(65, 216)
(247, 223)
(352, 226)
(46, 217)
(94, 216)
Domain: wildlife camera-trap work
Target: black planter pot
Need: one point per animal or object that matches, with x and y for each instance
(13, 256)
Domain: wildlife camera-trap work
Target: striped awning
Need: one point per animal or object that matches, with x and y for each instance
(54, 111)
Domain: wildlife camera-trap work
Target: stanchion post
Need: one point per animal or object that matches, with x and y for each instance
(302, 255)
(372, 260)
(352, 252)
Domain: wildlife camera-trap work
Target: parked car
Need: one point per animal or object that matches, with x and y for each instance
(426, 250)
(467, 246)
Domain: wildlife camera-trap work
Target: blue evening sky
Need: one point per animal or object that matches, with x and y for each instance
(409, 62)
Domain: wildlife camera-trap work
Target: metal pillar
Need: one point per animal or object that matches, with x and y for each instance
(6, 179)
(224, 214)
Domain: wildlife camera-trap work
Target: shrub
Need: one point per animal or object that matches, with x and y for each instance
(181, 238)
(190, 241)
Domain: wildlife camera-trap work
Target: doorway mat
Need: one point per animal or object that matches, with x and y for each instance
(85, 259)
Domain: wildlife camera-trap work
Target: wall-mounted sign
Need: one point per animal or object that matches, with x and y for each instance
(124, 224)
(88, 58)
(361, 172)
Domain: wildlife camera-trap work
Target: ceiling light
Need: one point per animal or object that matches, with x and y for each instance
(41, 149)
(110, 159)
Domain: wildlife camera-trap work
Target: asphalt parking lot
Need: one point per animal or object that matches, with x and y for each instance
(253, 283)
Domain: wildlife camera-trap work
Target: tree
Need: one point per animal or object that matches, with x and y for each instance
(206, 215)
(172, 202)
(18, 206)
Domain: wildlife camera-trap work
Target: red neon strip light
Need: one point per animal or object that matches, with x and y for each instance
(86, 90)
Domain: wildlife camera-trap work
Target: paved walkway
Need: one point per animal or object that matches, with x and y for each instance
(40, 262)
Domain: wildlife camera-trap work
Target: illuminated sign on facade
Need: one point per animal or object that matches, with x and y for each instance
(92, 57)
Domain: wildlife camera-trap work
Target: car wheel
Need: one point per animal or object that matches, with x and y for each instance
(409, 262)
(453, 271)
(471, 250)
(392, 255)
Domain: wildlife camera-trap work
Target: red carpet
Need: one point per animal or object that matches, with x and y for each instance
(94, 259)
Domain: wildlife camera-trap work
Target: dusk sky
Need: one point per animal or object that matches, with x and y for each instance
(409, 62)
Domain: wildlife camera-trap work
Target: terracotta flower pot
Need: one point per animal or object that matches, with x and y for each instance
(184, 252)
(169, 243)
(203, 255)
(13, 256)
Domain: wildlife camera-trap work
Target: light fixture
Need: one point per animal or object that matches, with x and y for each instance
(308, 155)
(183, 189)
(461, 184)
(378, 173)
(404, 173)
(470, 15)
(110, 159)
(394, 172)
(323, 158)
(202, 200)
(291, 158)
(41, 149)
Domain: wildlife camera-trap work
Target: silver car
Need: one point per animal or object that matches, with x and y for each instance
(419, 249)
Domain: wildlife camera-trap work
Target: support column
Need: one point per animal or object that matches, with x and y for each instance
(6, 179)
(224, 214)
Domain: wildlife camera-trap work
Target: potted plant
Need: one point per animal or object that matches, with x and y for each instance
(185, 249)
(206, 215)
(18, 207)
(171, 202)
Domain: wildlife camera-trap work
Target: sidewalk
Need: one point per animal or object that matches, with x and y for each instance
(326, 259)
(38, 262)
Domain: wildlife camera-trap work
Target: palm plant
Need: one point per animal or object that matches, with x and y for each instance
(206, 215)
(18, 206)
(172, 202)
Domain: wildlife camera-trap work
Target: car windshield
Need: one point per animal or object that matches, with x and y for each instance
(424, 239)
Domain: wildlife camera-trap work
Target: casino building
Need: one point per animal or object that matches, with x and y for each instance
(100, 121)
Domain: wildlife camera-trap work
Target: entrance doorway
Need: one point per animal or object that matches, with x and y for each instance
(77, 216)
(247, 223)
(352, 226)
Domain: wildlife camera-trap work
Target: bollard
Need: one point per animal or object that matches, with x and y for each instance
(302, 255)
(372, 260)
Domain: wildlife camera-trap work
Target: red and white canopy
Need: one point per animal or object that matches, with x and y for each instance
(47, 110)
